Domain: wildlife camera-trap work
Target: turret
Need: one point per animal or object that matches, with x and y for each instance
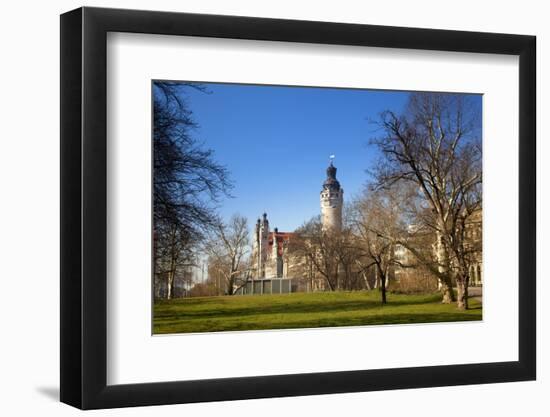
(332, 200)
(257, 247)
(263, 244)
(276, 258)
(274, 248)
(264, 227)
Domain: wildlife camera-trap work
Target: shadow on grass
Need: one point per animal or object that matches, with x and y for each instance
(269, 310)
(184, 310)
(383, 319)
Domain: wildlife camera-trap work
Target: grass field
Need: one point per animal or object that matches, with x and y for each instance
(299, 310)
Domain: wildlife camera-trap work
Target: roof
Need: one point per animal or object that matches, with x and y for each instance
(282, 237)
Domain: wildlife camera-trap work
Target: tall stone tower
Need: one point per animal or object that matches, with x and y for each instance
(332, 200)
(262, 244)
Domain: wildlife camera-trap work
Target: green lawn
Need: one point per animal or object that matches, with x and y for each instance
(299, 310)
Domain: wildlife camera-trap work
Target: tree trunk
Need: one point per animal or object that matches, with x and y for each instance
(230, 282)
(328, 281)
(383, 289)
(366, 279)
(446, 286)
(169, 282)
(170, 277)
(462, 293)
(172, 271)
(447, 292)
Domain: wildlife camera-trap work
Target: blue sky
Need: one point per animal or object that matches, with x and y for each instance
(276, 142)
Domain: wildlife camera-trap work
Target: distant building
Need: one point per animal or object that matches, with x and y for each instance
(270, 250)
(474, 241)
(332, 201)
(270, 262)
(277, 267)
(271, 257)
(473, 244)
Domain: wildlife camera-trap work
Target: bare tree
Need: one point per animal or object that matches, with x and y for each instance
(464, 249)
(320, 248)
(187, 181)
(227, 247)
(349, 255)
(379, 222)
(332, 255)
(300, 264)
(434, 145)
(173, 258)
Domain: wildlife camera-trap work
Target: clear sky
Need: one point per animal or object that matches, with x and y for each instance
(276, 142)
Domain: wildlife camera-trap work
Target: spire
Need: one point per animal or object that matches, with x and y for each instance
(331, 171)
(331, 183)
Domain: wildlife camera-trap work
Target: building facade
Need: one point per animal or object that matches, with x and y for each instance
(473, 245)
(474, 242)
(270, 251)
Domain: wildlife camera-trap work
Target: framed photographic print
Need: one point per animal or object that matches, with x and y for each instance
(258, 207)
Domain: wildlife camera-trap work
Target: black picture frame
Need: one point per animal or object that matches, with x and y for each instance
(84, 207)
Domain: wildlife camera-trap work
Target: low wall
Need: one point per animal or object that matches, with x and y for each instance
(267, 286)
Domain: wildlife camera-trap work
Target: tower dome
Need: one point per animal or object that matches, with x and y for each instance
(331, 183)
(332, 199)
